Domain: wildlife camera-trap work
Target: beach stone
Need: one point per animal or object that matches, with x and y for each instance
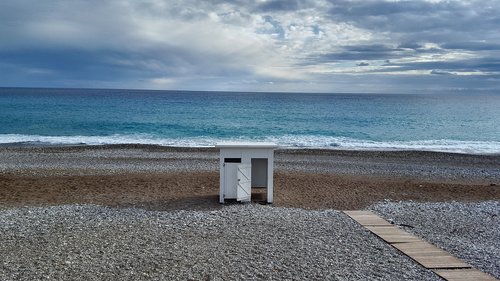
(237, 242)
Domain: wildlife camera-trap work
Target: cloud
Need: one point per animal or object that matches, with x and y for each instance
(279, 5)
(362, 52)
(472, 46)
(441, 72)
(214, 45)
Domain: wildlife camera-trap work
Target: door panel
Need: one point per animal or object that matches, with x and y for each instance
(230, 180)
(244, 188)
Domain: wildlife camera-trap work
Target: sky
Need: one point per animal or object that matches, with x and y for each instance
(243, 45)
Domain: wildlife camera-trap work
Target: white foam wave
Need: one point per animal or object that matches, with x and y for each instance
(287, 141)
(472, 147)
(101, 140)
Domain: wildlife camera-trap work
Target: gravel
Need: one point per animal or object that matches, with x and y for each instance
(238, 242)
(91, 160)
(469, 231)
(426, 166)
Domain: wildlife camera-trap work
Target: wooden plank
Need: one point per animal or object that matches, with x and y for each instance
(422, 245)
(387, 229)
(392, 234)
(424, 253)
(359, 212)
(366, 218)
(430, 256)
(439, 262)
(464, 275)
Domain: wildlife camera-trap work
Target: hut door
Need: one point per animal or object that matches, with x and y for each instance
(244, 188)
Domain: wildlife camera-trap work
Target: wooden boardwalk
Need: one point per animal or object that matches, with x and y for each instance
(429, 256)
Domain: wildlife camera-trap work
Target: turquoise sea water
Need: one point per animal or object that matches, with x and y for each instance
(457, 123)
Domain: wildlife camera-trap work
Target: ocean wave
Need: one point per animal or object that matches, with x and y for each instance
(287, 141)
(344, 143)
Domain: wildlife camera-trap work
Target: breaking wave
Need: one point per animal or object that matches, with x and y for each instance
(287, 141)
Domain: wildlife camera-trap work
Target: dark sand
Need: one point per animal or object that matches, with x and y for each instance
(160, 178)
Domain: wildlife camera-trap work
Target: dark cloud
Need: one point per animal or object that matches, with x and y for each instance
(363, 64)
(283, 5)
(472, 46)
(465, 65)
(400, 15)
(375, 52)
(440, 72)
(410, 45)
(362, 8)
(278, 5)
(360, 52)
(422, 21)
(74, 64)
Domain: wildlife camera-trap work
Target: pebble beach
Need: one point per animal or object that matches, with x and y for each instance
(151, 213)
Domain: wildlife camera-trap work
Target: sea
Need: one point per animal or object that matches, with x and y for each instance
(461, 123)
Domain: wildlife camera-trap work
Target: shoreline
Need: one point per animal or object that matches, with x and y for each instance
(298, 150)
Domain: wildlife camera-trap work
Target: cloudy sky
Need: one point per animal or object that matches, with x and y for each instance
(245, 45)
